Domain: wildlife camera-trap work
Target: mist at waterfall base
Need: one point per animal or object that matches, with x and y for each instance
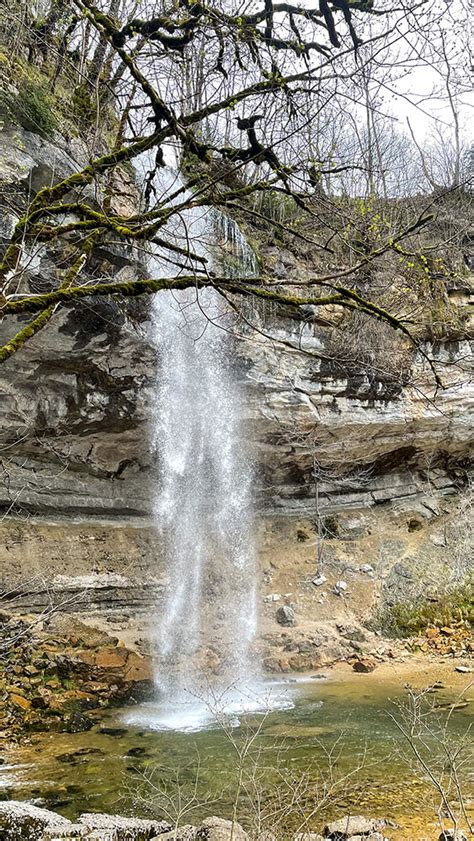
(205, 625)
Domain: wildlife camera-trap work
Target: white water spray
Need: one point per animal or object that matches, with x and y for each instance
(203, 512)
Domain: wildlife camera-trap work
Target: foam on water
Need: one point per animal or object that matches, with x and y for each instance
(194, 714)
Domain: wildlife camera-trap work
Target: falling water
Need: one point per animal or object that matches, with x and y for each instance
(206, 622)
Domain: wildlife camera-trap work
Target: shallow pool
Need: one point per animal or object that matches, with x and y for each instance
(326, 746)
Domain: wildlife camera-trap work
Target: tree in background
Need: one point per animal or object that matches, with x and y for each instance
(252, 104)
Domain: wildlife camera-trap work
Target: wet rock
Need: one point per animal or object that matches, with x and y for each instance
(353, 825)
(123, 829)
(218, 829)
(285, 615)
(77, 755)
(78, 723)
(23, 821)
(53, 682)
(138, 751)
(113, 731)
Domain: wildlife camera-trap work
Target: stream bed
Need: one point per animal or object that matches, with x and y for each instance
(332, 747)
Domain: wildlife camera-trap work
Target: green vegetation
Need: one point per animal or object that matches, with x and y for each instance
(31, 107)
(407, 618)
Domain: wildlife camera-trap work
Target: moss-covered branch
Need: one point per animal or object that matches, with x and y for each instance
(33, 327)
(48, 195)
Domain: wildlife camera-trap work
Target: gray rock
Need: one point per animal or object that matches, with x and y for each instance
(319, 580)
(285, 615)
(452, 835)
(20, 820)
(353, 825)
(182, 833)
(340, 587)
(351, 632)
(218, 829)
(124, 829)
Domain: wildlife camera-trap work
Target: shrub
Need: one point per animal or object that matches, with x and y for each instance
(404, 619)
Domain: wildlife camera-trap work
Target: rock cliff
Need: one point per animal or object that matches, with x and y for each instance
(351, 468)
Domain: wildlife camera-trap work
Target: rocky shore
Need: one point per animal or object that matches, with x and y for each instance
(19, 820)
(59, 674)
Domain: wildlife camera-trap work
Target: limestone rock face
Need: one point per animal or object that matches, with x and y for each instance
(74, 405)
(391, 436)
(78, 475)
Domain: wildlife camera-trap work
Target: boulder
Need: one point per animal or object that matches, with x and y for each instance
(285, 615)
(138, 669)
(181, 833)
(19, 820)
(364, 665)
(218, 829)
(452, 835)
(353, 825)
(123, 829)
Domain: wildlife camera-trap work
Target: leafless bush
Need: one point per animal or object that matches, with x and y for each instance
(444, 758)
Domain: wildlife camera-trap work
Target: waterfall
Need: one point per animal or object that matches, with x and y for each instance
(205, 624)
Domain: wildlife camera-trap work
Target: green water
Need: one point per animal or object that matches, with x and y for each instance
(337, 750)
